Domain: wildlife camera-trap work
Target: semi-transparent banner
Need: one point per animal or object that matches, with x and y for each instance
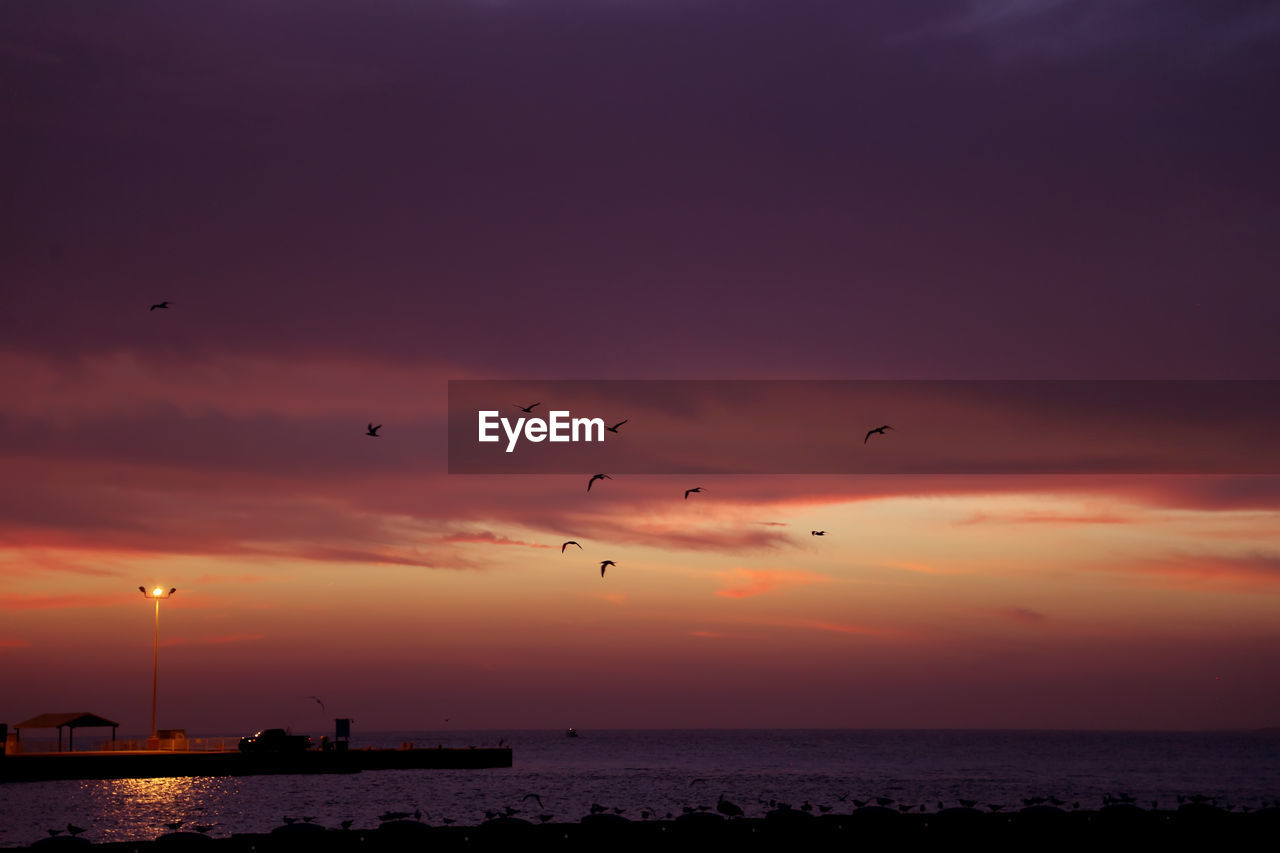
(863, 427)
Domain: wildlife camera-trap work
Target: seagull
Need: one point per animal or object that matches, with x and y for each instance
(164, 304)
(526, 409)
(727, 808)
(318, 702)
(817, 533)
(688, 492)
(872, 432)
(604, 564)
(373, 430)
(597, 477)
(567, 544)
(614, 428)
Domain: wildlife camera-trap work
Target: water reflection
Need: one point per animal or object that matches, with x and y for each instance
(131, 809)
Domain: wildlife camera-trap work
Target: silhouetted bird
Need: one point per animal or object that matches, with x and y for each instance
(727, 808)
(604, 564)
(526, 409)
(54, 833)
(74, 830)
(159, 305)
(373, 430)
(176, 825)
(817, 533)
(597, 477)
(688, 492)
(614, 428)
(318, 702)
(567, 544)
(202, 828)
(879, 430)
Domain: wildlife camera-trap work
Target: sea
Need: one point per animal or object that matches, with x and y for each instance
(663, 772)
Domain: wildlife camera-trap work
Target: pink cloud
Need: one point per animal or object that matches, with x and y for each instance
(745, 583)
(489, 538)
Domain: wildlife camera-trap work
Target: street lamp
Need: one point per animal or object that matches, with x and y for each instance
(158, 594)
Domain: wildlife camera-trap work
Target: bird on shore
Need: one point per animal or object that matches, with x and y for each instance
(878, 430)
(688, 492)
(727, 808)
(526, 409)
(592, 481)
(817, 533)
(74, 830)
(175, 825)
(373, 430)
(614, 428)
(567, 544)
(164, 304)
(605, 564)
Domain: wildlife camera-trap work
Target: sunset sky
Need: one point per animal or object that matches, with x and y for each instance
(349, 204)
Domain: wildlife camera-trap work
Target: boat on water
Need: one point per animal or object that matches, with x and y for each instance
(571, 732)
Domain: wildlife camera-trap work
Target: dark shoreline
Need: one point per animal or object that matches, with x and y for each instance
(1038, 827)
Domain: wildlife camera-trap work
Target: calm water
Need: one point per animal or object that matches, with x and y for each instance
(659, 770)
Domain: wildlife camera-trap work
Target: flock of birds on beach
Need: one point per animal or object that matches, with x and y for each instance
(724, 808)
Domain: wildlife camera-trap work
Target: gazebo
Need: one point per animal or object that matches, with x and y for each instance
(71, 722)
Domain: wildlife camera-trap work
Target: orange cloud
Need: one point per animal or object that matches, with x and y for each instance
(1022, 614)
(750, 582)
(212, 640)
(1047, 518)
(57, 602)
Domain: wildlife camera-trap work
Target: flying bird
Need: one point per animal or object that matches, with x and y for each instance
(817, 533)
(872, 432)
(526, 409)
(688, 492)
(614, 428)
(373, 430)
(164, 304)
(605, 564)
(597, 477)
(567, 544)
(318, 702)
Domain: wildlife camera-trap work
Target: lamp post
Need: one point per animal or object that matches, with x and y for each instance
(158, 594)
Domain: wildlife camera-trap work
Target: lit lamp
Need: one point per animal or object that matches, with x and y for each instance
(157, 594)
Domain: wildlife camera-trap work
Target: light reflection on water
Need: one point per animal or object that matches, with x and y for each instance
(635, 770)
